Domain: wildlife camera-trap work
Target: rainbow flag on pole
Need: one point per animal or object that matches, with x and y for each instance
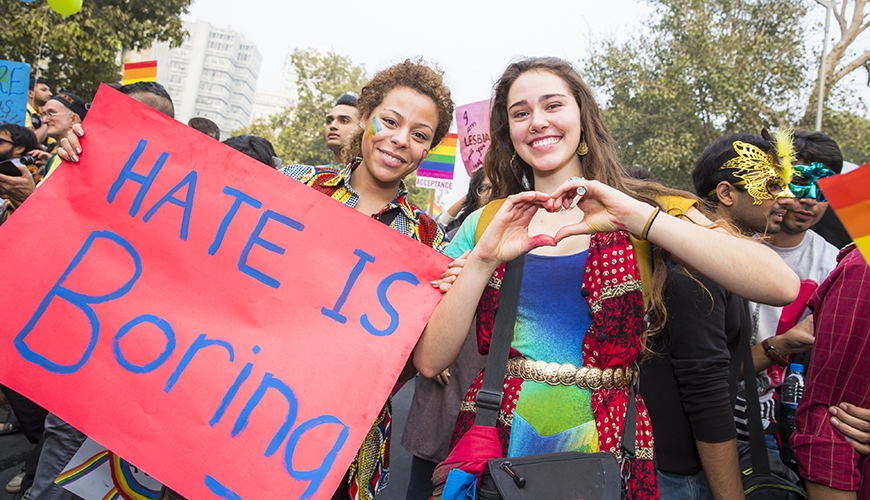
(436, 171)
(849, 195)
(145, 71)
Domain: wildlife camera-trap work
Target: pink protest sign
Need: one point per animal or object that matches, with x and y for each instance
(228, 330)
(472, 121)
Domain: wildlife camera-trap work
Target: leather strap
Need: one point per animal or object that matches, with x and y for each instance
(760, 462)
(490, 393)
(772, 353)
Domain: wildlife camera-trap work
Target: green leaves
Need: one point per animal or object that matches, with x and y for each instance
(297, 131)
(80, 51)
(703, 69)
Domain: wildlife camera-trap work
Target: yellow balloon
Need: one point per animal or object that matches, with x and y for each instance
(65, 7)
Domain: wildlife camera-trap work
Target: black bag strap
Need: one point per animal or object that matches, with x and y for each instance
(389, 216)
(760, 462)
(490, 393)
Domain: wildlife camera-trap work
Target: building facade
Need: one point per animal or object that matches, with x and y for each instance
(213, 74)
(268, 102)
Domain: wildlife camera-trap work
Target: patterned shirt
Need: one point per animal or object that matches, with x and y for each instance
(369, 472)
(337, 185)
(837, 373)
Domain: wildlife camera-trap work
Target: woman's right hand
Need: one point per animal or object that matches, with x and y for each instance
(605, 208)
(507, 236)
(70, 147)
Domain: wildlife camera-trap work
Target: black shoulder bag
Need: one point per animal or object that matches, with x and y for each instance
(552, 476)
(764, 475)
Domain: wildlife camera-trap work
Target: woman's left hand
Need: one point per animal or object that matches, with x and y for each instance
(449, 276)
(604, 208)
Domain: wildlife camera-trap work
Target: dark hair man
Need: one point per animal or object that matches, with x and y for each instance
(151, 94)
(816, 146)
(805, 252)
(205, 126)
(256, 147)
(691, 382)
(15, 142)
(37, 96)
(341, 120)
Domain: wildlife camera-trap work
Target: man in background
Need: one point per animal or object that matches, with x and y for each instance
(341, 120)
(37, 96)
(778, 330)
(205, 126)
(690, 383)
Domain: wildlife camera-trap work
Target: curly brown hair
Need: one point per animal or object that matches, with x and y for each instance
(415, 75)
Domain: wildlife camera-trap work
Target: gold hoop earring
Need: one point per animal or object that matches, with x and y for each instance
(582, 148)
(514, 157)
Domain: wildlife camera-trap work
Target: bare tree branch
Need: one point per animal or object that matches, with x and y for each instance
(856, 63)
(840, 16)
(849, 31)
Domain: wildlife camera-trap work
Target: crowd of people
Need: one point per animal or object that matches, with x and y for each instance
(632, 294)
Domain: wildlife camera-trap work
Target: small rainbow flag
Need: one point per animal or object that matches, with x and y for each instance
(145, 71)
(436, 171)
(849, 195)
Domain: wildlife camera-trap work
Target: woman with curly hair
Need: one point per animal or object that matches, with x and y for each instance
(585, 230)
(405, 111)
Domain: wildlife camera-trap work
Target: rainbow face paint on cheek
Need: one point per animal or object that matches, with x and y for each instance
(374, 127)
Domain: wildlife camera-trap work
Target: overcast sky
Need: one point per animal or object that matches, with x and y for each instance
(471, 40)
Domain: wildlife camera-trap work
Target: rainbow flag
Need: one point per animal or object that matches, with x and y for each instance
(436, 171)
(849, 195)
(145, 71)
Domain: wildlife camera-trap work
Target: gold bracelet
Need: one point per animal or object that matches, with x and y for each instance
(649, 223)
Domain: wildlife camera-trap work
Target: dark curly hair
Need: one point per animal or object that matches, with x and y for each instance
(415, 75)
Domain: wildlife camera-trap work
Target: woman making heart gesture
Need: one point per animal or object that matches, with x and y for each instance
(586, 231)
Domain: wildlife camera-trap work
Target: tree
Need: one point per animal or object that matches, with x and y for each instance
(297, 131)
(79, 52)
(843, 58)
(852, 133)
(703, 69)
(417, 195)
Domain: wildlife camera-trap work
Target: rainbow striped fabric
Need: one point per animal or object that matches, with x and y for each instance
(145, 71)
(849, 195)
